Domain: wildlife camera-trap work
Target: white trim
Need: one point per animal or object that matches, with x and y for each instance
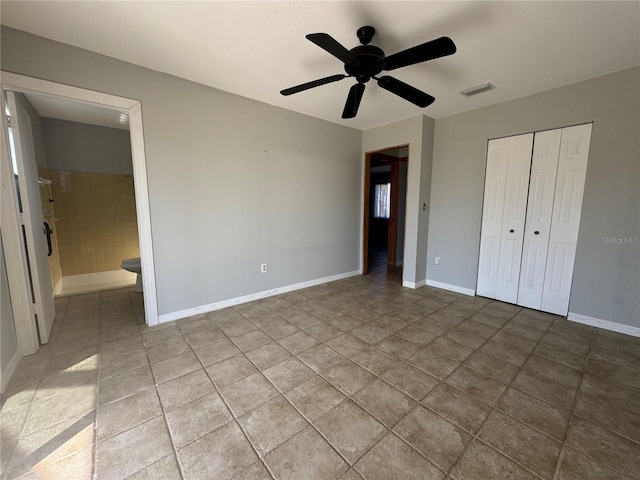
(605, 324)
(414, 285)
(169, 317)
(24, 84)
(14, 252)
(10, 369)
(452, 288)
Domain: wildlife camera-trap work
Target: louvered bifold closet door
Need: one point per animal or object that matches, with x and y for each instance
(503, 216)
(565, 218)
(542, 184)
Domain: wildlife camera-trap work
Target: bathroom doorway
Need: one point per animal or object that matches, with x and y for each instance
(87, 191)
(20, 270)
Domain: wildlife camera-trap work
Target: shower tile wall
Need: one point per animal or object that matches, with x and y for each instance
(97, 226)
(48, 209)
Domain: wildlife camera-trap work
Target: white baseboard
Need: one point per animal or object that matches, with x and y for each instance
(413, 285)
(452, 288)
(170, 317)
(605, 324)
(10, 369)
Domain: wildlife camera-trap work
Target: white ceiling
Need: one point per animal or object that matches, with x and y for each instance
(51, 107)
(255, 49)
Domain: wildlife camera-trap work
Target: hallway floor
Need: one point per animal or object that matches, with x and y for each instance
(359, 378)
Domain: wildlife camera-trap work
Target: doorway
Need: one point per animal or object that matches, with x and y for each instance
(385, 190)
(21, 269)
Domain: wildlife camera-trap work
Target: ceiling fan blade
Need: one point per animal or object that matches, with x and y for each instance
(441, 47)
(315, 83)
(331, 45)
(406, 91)
(353, 101)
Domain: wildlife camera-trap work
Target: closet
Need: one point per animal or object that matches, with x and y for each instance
(531, 215)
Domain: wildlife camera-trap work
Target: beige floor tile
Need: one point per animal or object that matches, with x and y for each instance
(271, 424)
(560, 355)
(216, 352)
(476, 384)
(370, 333)
(171, 348)
(306, 456)
(505, 352)
(620, 374)
(384, 402)
(541, 415)
(320, 358)
(123, 385)
(460, 408)
(184, 389)
(250, 340)
(126, 413)
(350, 430)
(480, 461)
(576, 466)
(416, 335)
(398, 346)
(346, 322)
(432, 363)
(175, 367)
(257, 471)
(208, 337)
(436, 438)
(536, 451)
(375, 360)
(619, 420)
(113, 366)
(613, 392)
(51, 444)
(78, 466)
(315, 397)
(491, 366)
(298, 342)
(576, 346)
(248, 393)
(267, 355)
(197, 418)
(553, 371)
(230, 370)
(288, 373)
(347, 345)
(392, 458)
(538, 386)
(348, 377)
(410, 380)
(132, 450)
(221, 454)
(164, 469)
(279, 329)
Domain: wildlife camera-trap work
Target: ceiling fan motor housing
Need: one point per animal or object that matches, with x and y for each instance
(369, 61)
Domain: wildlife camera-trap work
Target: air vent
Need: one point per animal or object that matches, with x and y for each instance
(485, 87)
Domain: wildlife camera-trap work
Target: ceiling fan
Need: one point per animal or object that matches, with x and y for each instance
(365, 62)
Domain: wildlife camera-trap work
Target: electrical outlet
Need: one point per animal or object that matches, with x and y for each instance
(437, 260)
(263, 268)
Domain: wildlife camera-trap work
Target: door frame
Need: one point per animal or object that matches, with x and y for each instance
(365, 207)
(24, 84)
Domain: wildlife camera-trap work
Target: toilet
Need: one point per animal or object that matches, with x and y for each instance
(133, 265)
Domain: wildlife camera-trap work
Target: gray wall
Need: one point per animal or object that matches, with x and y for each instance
(8, 339)
(410, 131)
(232, 182)
(79, 147)
(606, 278)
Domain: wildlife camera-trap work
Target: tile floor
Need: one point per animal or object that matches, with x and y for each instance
(359, 378)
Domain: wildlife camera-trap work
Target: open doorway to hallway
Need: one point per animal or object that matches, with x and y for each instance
(384, 216)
